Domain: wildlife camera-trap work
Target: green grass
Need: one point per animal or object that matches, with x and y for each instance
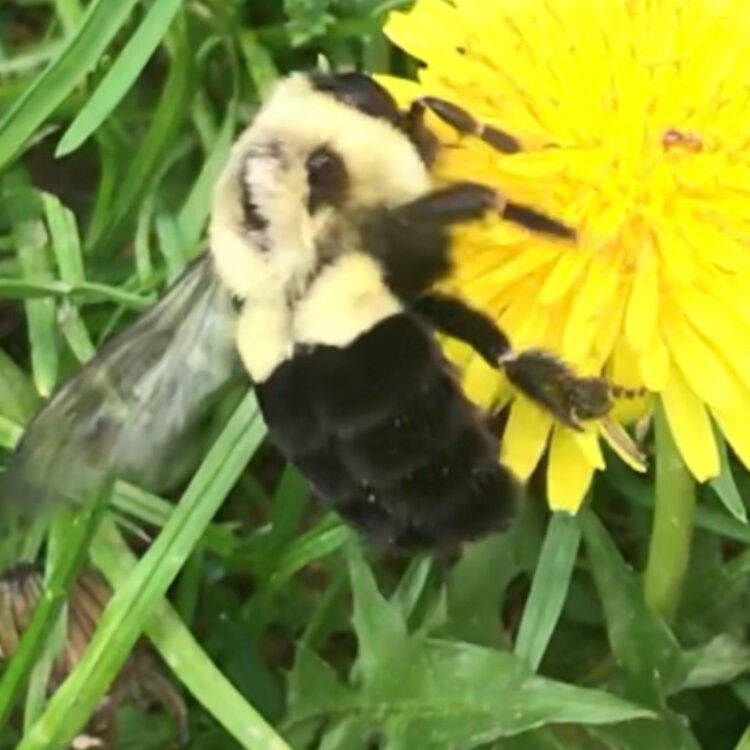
(280, 628)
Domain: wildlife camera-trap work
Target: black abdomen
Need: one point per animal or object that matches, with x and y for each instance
(384, 433)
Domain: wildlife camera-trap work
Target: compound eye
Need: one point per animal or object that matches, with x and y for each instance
(327, 178)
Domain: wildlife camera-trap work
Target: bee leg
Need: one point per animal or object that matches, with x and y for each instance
(455, 318)
(468, 201)
(420, 135)
(539, 375)
(466, 124)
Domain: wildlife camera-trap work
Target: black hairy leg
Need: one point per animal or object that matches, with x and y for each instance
(454, 317)
(384, 433)
(468, 201)
(411, 241)
(540, 375)
(474, 199)
(466, 124)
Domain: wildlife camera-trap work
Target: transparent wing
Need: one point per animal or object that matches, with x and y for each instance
(126, 409)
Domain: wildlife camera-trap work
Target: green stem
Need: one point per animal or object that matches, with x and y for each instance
(672, 531)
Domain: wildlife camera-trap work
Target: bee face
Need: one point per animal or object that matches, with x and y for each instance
(301, 174)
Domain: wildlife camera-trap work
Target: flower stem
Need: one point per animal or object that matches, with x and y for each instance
(672, 531)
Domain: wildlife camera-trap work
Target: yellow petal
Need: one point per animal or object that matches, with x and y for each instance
(589, 303)
(736, 428)
(623, 370)
(588, 441)
(640, 320)
(609, 329)
(567, 269)
(690, 427)
(432, 25)
(525, 437)
(706, 373)
(569, 472)
(653, 364)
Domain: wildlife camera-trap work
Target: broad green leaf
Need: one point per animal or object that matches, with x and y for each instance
(640, 640)
(549, 588)
(121, 76)
(102, 20)
(426, 694)
(477, 584)
(379, 626)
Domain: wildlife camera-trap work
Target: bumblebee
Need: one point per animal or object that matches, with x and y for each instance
(327, 237)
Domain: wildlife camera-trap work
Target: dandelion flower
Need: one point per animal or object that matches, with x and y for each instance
(633, 121)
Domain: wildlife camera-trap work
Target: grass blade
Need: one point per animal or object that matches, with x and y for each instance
(194, 212)
(188, 660)
(66, 246)
(549, 588)
(121, 76)
(81, 526)
(148, 163)
(40, 313)
(724, 485)
(126, 615)
(101, 22)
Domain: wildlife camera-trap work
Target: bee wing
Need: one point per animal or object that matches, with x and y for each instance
(124, 410)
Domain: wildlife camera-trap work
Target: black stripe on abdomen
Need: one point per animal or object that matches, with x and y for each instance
(383, 431)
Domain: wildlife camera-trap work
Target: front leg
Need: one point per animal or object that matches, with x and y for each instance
(412, 243)
(539, 375)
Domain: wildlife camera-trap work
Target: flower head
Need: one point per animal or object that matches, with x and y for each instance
(632, 116)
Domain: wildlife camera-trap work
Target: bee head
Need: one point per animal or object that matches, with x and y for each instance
(321, 150)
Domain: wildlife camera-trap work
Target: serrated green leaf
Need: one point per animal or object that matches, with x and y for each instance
(640, 640)
(477, 584)
(426, 694)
